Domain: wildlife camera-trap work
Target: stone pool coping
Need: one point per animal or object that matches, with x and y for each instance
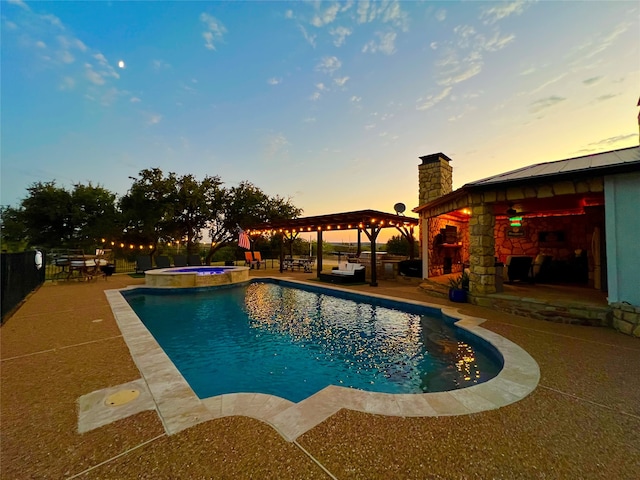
(179, 408)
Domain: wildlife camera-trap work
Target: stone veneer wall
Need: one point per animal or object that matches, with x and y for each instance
(437, 253)
(435, 178)
(626, 318)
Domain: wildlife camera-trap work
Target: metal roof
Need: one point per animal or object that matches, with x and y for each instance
(338, 221)
(625, 157)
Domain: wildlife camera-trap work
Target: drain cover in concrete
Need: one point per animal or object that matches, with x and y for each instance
(114, 403)
(121, 397)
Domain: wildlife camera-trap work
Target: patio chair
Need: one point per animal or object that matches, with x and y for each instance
(249, 260)
(258, 259)
(162, 261)
(194, 260)
(143, 263)
(519, 268)
(179, 260)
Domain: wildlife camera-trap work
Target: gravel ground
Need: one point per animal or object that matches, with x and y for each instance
(583, 420)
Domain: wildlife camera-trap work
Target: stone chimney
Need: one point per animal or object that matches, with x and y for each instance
(435, 177)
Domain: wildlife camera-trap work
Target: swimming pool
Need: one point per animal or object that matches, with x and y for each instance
(269, 337)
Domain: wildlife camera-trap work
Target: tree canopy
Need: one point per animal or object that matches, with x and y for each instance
(157, 208)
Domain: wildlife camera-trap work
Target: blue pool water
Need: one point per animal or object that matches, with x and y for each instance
(201, 270)
(268, 337)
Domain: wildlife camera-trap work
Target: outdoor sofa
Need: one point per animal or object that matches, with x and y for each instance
(349, 273)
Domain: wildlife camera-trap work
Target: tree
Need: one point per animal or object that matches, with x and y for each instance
(13, 230)
(52, 217)
(93, 215)
(242, 206)
(194, 204)
(399, 245)
(147, 208)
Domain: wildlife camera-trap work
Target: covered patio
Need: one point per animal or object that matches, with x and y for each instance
(371, 222)
(538, 225)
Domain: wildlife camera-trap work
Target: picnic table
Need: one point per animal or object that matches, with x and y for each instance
(305, 263)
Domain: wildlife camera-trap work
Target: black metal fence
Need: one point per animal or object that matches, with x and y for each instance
(20, 276)
(56, 272)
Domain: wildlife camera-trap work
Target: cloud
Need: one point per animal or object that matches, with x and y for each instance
(441, 15)
(550, 82)
(341, 81)
(135, 100)
(592, 81)
(386, 44)
(498, 42)
(607, 96)
(311, 39)
(276, 145)
(431, 100)
(329, 65)
(355, 99)
(288, 14)
(321, 87)
(370, 126)
(502, 10)
(67, 83)
(598, 43)
(327, 17)
(340, 35)
(388, 12)
(158, 65)
(215, 30)
(274, 81)
(460, 75)
(19, 3)
(363, 11)
(615, 140)
(315, 96)
(545, 103)
(93, 76)
(153, 118)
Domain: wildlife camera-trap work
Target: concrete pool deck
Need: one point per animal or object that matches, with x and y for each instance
(582, 421)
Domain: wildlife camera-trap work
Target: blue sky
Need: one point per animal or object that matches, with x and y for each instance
(328, 103)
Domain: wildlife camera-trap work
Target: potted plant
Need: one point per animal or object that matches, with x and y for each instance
(458, 288)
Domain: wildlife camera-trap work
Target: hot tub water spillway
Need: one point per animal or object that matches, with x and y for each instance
(188, 277)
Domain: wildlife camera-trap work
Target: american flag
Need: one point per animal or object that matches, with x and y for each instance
(243, 240)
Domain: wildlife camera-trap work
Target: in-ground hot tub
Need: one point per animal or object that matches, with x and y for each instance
(184, 277)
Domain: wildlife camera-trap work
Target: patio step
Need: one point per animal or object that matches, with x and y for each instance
(558, 311)
(434, 289)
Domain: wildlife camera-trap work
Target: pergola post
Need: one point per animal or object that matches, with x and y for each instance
(319, 253)
(372, 237)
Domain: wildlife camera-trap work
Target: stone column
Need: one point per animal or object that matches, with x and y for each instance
(482, 277)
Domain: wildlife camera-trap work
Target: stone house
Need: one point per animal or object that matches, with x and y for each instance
(577, 219)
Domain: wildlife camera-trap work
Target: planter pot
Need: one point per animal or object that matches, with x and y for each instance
(458, 295)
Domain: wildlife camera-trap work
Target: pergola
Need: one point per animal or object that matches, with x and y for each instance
(368, 221)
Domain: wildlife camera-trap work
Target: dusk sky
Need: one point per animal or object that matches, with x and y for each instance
(328, 103)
